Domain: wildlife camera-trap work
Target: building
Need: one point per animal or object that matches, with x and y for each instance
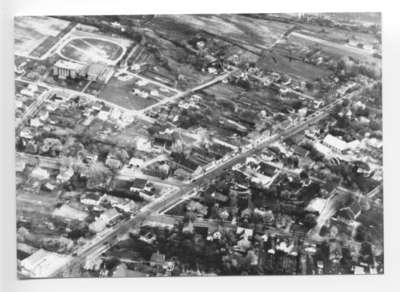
(160, 221)
(136, 162)
(91, 199)
(42, 264)
(107, 218)
(113, 162)
(40, 173)
(157, 258)
(66, 69)
(138, 184)
(335, 144)
(99, 72)
(65, 175)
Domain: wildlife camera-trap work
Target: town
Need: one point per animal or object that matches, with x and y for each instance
(198, 145)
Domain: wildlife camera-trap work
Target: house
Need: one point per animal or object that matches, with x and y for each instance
(300, 151)
(163, 140)
(26, 133)
(65, 175)
(157, 258)
(110, 215)
(103, 115)
(113, 162)
(136, 162)
(91, 157)
(160, 221)
(197, 207)
(143, 144)
(295, 139)
(105, 219)
(244, 232)
(91, 199)
(43, 115)
(138, 184)
(149, 237)
(20, 165)
(335, 251)
(35, 122)
(188, 228)
(267, 169)
(40, 173)
(48, 187)
(31, 147)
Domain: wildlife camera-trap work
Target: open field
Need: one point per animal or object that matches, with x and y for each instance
(238, 27)
(121, 93)
(35, 35)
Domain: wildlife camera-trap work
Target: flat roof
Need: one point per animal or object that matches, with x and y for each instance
(69, 65)
(43, 264)
(335, 142)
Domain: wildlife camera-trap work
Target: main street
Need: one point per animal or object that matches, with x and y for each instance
(164, 202)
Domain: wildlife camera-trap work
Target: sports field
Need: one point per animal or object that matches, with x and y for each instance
(88, 50)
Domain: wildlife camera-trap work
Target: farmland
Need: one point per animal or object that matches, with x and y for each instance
(35, 35)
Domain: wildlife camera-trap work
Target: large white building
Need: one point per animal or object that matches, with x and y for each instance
(98, 72)
(335, 144)
(42, 264)
(67, 69)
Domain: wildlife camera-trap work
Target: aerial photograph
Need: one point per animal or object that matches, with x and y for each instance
(198, 145)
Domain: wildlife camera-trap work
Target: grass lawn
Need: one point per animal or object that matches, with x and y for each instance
(120, 93)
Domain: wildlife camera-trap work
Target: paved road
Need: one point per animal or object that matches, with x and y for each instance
(179, 95)
(34, 107)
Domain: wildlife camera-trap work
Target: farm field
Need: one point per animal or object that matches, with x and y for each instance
(35, 35)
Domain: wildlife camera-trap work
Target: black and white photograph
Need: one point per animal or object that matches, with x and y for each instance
(198, 145)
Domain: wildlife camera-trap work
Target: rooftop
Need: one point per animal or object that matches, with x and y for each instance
(139, 183)
(43, 264)
(335, 142)
(69, 65)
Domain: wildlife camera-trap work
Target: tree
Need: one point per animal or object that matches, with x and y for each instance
(309, 221)
(360, 235)
(34, 76)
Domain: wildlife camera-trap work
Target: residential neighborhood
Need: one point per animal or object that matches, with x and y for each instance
(199, 145)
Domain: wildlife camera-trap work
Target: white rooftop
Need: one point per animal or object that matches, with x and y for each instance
(335, 142)
(68, 65)
(43, 264)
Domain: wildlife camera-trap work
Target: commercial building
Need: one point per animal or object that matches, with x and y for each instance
(42, 264)
(335, 144)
